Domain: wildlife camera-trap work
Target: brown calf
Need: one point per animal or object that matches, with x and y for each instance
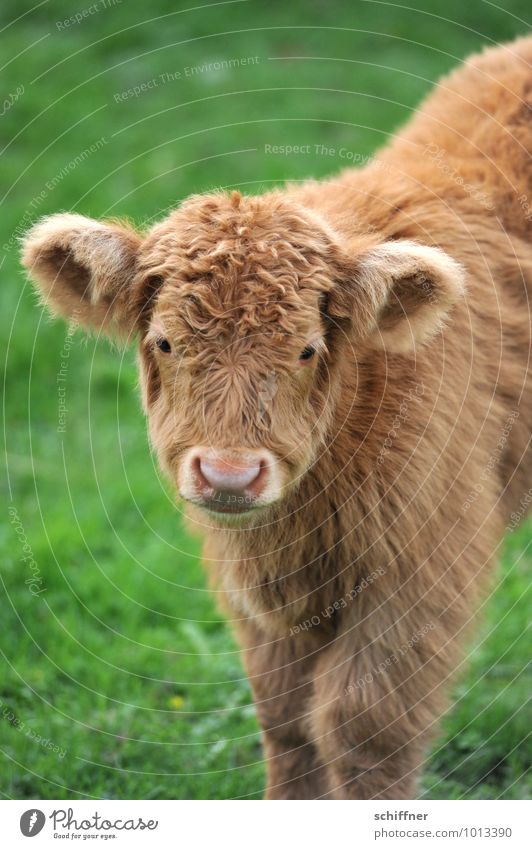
(336, 379)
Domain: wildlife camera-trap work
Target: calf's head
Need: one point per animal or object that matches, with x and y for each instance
(247, 311)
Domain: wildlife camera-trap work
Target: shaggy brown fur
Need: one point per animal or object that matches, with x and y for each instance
(399, 450)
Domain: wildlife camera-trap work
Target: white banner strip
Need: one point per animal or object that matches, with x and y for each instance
(263, 825)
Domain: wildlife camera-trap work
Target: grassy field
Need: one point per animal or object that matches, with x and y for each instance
(120, 678)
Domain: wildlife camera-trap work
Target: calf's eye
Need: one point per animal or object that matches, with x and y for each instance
(306, 354)
(164, 345)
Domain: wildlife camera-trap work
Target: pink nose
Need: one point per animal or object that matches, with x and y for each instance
(222, 475)
(230, 480)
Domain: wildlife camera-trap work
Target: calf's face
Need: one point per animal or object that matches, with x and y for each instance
(247, 311)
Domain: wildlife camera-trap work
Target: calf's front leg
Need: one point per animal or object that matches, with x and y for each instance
(376, 703)
(280, 672)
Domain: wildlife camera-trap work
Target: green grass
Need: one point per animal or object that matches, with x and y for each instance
(123, 662)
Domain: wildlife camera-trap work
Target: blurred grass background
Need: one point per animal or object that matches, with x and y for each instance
(123, 662)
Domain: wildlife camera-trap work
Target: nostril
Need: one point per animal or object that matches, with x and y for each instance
(201, 480)
(259, 482)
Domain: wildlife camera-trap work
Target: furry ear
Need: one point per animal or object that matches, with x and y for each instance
(398, 294)
(84, 269)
